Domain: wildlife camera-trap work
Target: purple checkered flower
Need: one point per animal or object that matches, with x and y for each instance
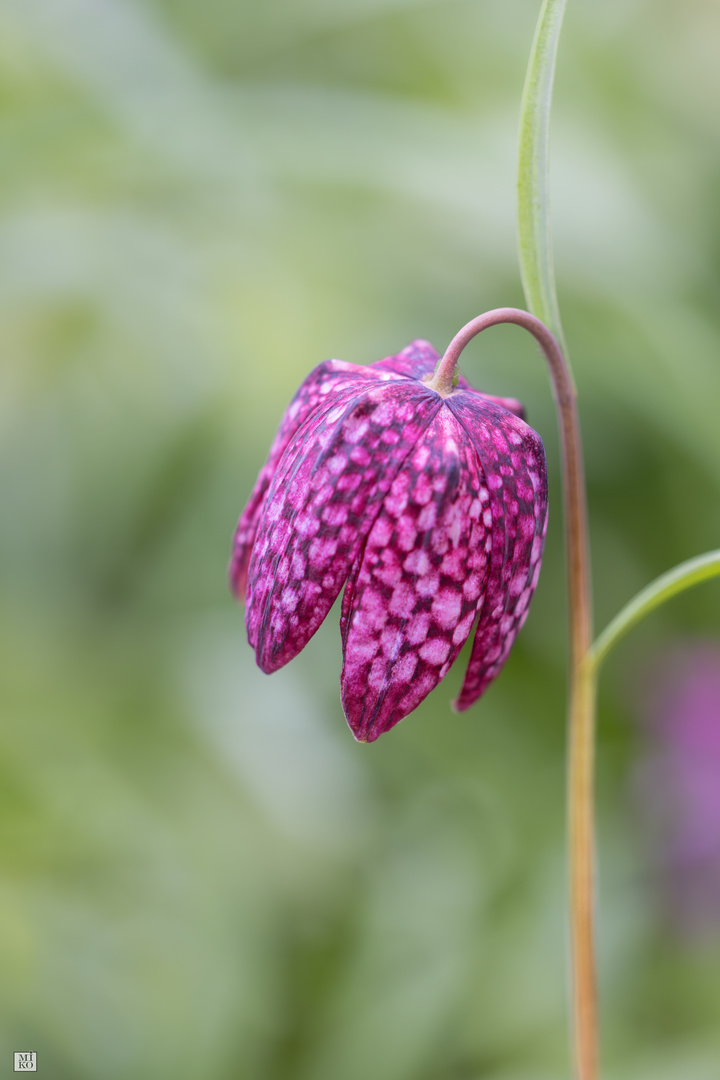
(431, 510)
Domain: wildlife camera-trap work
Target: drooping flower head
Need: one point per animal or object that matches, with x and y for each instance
(429, 507)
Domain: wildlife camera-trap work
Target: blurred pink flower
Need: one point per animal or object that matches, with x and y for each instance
(431, 511)
(679, 782)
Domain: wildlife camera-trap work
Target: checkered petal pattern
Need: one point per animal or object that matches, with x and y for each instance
(327, 380)
(513, 459)
(430, 510)
(412, 599)
(324, 498)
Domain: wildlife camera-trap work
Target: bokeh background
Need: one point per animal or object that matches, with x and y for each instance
(201, 874)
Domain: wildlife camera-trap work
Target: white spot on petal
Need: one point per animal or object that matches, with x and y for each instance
(306, 524)
(427, 517)
(355, 428)
(391, 639)
(363, 650)
(463, 629)
(289, 599)
(404, 669)
(417, 629)
(402, 600)
(337, 463)
(334, 414)
(335, 514)
(446, 608)
(420, 458)
(435, 651)
(428, 586)
(417, 562)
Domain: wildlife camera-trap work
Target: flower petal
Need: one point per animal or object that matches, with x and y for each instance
(416, 360)
(323, 384)
(326, 493)
(412, 599)
(419, 359)
(513, 460)
(510, 404)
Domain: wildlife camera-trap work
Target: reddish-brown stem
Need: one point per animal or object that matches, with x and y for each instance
(581, 709)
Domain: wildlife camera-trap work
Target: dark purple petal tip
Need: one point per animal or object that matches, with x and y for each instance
(431, 512)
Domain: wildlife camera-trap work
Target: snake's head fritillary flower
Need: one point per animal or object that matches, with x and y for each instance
(429, 508)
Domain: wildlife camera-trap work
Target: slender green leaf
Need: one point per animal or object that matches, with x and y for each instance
(677, 580)
(536, 262)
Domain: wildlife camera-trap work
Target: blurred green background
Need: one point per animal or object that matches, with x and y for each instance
(201, 874)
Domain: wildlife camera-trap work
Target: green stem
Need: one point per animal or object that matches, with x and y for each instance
(536, 262)
(581, 866)
(677, 580)
(536, 267)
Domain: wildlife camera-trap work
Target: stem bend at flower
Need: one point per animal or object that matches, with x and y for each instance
(573, 474)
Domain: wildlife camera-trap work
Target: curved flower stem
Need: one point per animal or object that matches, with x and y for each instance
(582, 676)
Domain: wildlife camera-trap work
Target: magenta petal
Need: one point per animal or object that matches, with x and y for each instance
(432, 509)
(411, 602)
(416, 360)
(322, 384)
(513, 460)
(509, 403)
(419, 359)
(325, 495)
